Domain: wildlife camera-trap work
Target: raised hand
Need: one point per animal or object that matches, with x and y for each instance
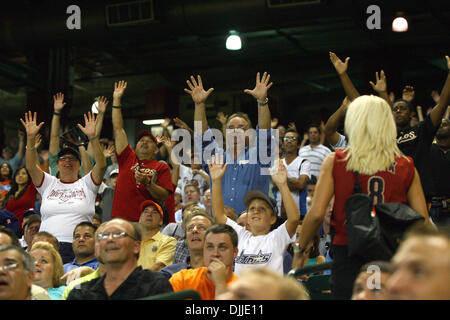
(198, 94)
(222, 117)
(90, 123)
(408, 93)
(109, 151)
(102, 103)
(274, 123)
(341, 67)
(38, 140)
(435, 95)
(166, 123)
(165, 140)
(58, 101)
(119, 89)
(279, 173)
(291, 126)
(31, 128)
(381, 84)
(180, 123)
(261, 87)
(216, 167)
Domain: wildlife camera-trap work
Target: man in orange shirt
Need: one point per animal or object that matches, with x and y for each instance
(219, 251)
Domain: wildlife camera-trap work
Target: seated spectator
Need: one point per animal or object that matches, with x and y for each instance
(30, 228)
(175, 229)
(84, 274)
(192, 194)
(157, 250)
(26, 215)
(83, 247)
(192, 175)
(16, 273)
(49, 269)
(220, 248)
(196, 225)
(259, 247)
(253, 284)
(243, 220)
(421, 266)
(22, 194)
(45, 237)
(119, 247)
(370, 284)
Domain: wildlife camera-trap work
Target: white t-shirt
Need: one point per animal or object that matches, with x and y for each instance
(64, 205)
(294, 170)
(186, 177)
(261, 251)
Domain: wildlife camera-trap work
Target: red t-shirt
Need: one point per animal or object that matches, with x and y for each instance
(128, 195)
(22, 204)
(170, 205)
(391, 185)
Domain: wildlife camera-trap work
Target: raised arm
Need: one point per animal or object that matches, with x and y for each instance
(416, 198)
(58, 105)
(223, 120)
(438, 111)
(102, 103)
(262, 86)
(279, 177)
(381, 86)
(120, 136)
(98, 170)
(180, 123)
(199, 96)
(341, 69)
(333, 123)
(21, 147)
(173, 162)
(31, 155)
(87, 166)
(217, 170)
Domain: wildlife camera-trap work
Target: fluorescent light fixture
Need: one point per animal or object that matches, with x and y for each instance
(153, 122)
(233, 41)
(400, 24)
(94, 107)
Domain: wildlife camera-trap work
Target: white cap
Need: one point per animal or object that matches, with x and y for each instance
(115, 171)
(178, 190)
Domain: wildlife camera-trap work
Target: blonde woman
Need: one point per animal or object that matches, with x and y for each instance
(384, 173)
(49, 269)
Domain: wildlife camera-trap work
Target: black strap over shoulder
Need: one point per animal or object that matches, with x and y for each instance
(356, 187)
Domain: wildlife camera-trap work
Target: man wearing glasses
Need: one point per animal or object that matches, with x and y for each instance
(16, 273)
(119, 245)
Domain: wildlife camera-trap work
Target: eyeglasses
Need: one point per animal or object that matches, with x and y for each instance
(68, 159)
(200, 227)
(115, 235)
(400, 108)
(289, 139)
(10, 266)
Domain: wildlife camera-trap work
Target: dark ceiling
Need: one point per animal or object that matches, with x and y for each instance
(289, 39)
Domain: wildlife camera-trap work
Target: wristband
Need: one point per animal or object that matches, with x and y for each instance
(32, 148)
(262, 103)
(297, 249)
(56, 113)
(117, 107)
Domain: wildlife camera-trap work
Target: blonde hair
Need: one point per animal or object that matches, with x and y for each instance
(372, 134)
(58, 269)
(289, 288)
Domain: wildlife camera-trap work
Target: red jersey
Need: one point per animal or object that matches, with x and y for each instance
(128, 194)
(391, 185)
(22, 204)
(170, 205)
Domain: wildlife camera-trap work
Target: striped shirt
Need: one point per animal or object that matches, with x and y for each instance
(315, 156)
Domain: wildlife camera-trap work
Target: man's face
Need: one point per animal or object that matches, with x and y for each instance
(313, 135)
(207, 198)
(122, 249)
(402, 113)
(422, 270)
(290, 142)
(83, 242)
(311, 188)
(367, 289)
(30, 231)
(6, 154)
(444, 130)
(150, 218)
(15, 283)
(146, 148)
(239, 125)
(113, 181)
(195, 232)
(219, 246)
(191, 194)
(243, 221)
(281, 131)
(260, 215)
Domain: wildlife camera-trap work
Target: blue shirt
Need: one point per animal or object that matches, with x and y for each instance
(93, 263)
(174, 268)
(56, 293)
(241, 176)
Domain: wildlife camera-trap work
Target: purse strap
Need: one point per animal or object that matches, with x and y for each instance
(356, 186)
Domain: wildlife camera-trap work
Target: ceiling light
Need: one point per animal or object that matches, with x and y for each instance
(153, 122)
(400, 24)
(234, 41)
(94, 107)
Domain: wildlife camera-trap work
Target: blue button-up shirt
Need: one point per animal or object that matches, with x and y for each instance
(93, 263)
(241, 175)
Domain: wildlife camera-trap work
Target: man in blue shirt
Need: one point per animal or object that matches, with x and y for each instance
(83, 247)
(249, 152)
